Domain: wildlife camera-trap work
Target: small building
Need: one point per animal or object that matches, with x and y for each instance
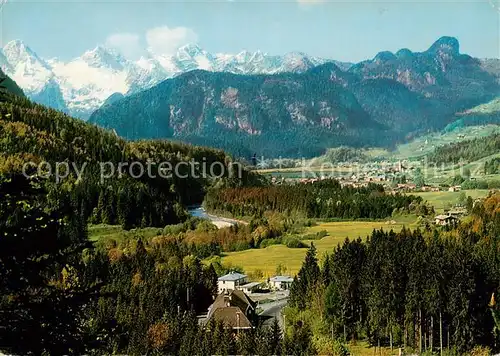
(458, 212)
(231, 281)
(280, 282)
(445, 220)
(455, 188)
(249, 287)
(234, 309)
(407, 186)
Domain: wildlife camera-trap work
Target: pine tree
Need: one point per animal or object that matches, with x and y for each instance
(309, 274)
(275, 338)
(39, 238)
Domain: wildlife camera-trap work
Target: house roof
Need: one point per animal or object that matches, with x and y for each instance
(281, 279)
(250, 285)
(238, 294)
(235, 298)
(233, 317)
(232, 276)
(444, 217)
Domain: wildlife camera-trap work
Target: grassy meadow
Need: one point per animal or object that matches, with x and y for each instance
(266, 260)
(103, 232)
(441, 200)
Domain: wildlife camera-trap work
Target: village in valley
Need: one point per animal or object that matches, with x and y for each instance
(401, 177)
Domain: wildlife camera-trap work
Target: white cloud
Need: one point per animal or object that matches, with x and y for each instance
(166, 40)
(127, 44)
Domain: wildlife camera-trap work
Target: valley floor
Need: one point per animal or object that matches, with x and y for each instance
(266, 260)
(262, 263)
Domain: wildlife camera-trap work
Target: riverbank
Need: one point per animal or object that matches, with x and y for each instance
(218, 221)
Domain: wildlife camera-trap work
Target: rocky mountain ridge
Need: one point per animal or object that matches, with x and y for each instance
(83, 84)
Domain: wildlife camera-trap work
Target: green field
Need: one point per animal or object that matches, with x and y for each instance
(362, 348)
(115, 232)
(267, 259)
(440, 200)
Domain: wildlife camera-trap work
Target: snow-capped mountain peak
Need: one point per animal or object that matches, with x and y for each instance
(190, 50)
(104, 57)
(4, 63)
(30, 72)
(83, 84)
(243, 56)
(17, 52)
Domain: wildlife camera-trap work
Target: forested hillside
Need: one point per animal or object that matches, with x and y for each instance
(468, 150)
(492, 166)
(6, 83)
(325, 199)
(377, 102)
(33, 133)
(70, 297)
(423, 291)
(487, 113)
(285, 113)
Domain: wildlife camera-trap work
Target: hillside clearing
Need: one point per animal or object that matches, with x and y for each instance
(442, 200)
(266, 260)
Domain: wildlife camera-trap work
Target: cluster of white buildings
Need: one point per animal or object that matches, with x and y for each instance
(238, 281)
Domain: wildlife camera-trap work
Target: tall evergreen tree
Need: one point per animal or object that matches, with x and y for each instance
(43, 291)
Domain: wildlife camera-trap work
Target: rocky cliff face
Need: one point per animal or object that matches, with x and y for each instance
(379, 101)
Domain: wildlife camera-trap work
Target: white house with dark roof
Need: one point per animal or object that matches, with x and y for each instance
(280, 282)
(231, 281)
(234, 309)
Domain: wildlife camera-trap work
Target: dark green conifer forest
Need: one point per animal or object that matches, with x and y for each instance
(420, 290)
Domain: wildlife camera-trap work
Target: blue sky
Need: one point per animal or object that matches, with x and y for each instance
(343, 30)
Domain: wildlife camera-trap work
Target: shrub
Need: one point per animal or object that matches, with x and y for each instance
(480, 351)
(294, 242)
(269, 242)
(159, 335)
(327, 346)
(316, 236)
(239, 246)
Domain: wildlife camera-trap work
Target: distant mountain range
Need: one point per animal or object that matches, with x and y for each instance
(82, 85)
(290, 105)
(377, 102)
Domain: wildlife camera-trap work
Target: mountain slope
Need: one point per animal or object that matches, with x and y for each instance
(33, 133)
(441, 73)
(376, 102)
(267, 111)
(82, 85)
(10, 85)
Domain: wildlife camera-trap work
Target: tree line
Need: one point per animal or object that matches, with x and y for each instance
(468, 150)
(323, 199)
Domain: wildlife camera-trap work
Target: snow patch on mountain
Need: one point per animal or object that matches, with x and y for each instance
(83, 84)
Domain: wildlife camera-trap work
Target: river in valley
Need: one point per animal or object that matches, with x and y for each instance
(200, 212)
